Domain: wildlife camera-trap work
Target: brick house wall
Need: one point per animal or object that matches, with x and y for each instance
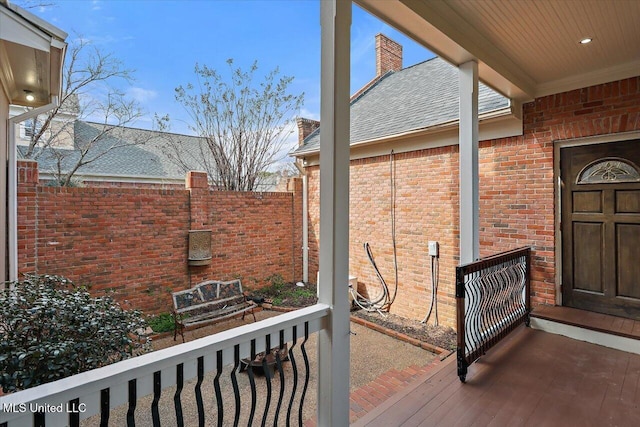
(517, 188)
(426, 185)
(134, 241)
(516, 199)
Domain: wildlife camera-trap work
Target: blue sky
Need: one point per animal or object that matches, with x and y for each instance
(163, 40)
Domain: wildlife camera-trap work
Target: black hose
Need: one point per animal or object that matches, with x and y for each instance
(433, 305)
(382, 300)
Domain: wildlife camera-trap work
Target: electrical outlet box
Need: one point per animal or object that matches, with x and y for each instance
(433, 248)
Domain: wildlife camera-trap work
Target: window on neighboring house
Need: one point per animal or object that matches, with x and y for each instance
(29, 128)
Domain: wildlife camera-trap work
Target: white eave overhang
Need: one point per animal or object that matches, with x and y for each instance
(31, 56)
(500, 123)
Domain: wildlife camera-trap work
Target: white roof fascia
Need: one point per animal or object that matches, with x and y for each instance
(18, 30)
(490, 116)
(56, 34)
(445, 136)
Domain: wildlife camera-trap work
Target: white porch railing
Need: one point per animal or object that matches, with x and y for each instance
(96, 393)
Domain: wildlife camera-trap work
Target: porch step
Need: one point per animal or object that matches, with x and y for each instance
(596, 328)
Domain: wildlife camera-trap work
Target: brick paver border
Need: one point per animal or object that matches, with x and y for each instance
(366, 398)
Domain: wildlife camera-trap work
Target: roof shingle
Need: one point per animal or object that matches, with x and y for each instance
(417, 97)
(148, 159)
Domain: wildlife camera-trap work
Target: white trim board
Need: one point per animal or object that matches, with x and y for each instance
(594, 337)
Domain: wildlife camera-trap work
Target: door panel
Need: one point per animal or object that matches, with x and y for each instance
(587, 201)
(587, 254)
(628, 201)
(628, 251)
(600, 222)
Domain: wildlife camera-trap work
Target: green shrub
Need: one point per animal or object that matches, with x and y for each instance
(163, 322)
(51, 329)
(276, 280)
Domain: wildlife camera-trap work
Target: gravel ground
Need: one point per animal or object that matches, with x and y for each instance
(372, 354)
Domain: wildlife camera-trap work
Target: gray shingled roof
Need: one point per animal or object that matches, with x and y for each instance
(146, 160)
(414, 98)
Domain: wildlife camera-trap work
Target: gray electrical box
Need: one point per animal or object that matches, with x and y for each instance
(433, 248)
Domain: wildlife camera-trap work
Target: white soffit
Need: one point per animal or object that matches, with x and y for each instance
(525, 49)
(31, 56)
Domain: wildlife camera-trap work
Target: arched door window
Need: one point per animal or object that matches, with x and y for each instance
(609, 170)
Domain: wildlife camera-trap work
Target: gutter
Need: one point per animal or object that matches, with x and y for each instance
(12, 184)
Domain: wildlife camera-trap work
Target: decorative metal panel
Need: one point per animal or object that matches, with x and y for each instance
(229, 289)
(199, 247)
(209, 290)
(609, 170)
(492, 298)
(187, 298)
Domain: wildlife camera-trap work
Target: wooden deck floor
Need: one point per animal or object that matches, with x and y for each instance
(532, 378)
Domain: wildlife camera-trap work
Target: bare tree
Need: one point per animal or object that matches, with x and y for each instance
(88, 93)
(245, 124)
(34, 4)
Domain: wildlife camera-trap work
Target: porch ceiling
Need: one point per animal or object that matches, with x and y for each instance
(31, 57)
(525, 49)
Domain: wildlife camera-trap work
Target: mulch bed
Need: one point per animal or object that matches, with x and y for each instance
(438, 336)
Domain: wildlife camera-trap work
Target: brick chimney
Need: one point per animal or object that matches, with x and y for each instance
(388, 55)
(305, 128)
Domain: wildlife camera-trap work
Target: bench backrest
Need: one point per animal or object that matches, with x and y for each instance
(206, 292)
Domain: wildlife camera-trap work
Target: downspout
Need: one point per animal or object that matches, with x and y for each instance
(305, 223)
(12, 184)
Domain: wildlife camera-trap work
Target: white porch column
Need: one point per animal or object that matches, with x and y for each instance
(468, 163)
(333, 341)
(4, 132)
(12, 182)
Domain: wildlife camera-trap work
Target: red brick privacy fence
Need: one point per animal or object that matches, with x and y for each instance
(134, 241)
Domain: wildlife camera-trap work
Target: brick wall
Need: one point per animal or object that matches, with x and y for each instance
(516, 185)
(426, 185)
(135, 241)
(516, 198)
(313, 206)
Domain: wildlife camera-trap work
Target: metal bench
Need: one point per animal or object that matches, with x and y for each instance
(209, 302)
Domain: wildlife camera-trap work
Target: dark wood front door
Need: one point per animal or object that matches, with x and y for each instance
(601, 228)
